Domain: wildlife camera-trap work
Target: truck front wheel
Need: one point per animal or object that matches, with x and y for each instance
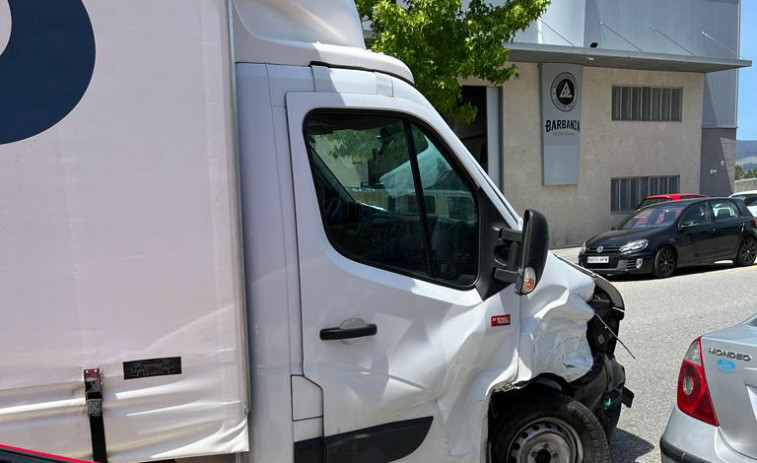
(549, 428)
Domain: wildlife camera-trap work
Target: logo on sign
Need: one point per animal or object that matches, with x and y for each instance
(500, 320)
(564, 91)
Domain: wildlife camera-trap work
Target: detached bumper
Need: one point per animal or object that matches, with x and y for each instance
(619, 264)
(688, 440)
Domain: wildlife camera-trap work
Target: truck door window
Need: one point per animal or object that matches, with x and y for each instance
(390, 197)
(350, 155)
(451, 213)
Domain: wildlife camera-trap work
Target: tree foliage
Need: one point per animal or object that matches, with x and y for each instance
(742, 174)
(441, 42)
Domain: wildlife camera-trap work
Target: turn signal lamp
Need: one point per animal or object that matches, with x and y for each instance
(529, 280)
(693, 393)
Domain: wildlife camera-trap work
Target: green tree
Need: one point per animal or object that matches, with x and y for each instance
(739, 172)
(441, 42)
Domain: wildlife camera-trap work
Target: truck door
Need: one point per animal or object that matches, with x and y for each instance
(387, 227)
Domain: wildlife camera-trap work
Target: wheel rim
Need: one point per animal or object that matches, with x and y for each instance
(748, 250)
(666, 262)
(546, 440)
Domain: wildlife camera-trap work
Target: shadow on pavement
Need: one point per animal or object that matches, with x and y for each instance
(627, 448)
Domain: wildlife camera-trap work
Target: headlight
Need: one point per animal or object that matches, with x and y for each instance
(637, 245)
(583, 247)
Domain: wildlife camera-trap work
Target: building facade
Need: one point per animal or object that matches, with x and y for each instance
(614, 100)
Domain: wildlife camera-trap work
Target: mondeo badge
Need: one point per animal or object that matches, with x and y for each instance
(729, 354)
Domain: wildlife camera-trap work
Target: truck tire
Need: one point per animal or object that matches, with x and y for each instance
(549, 428)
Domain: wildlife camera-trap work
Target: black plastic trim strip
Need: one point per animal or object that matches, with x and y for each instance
(8, 455)
(378, 444)
(674, 453)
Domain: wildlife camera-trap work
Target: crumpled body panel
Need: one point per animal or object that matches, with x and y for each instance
(553, 330)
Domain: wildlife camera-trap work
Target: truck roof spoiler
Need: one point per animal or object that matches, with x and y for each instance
(301, 32)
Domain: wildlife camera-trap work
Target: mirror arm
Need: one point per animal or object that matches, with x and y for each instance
(514, 238)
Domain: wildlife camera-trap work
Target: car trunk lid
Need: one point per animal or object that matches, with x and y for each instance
(730, 362)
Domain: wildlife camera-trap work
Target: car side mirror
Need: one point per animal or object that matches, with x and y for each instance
(513, 256)
(688, 224)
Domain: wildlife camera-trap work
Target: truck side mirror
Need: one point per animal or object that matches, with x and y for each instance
(535, 249)
(513, 256)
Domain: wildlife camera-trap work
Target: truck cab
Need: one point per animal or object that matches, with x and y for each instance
(391, 241)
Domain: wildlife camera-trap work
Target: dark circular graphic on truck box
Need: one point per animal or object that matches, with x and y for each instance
(563, 91)
(46, 67)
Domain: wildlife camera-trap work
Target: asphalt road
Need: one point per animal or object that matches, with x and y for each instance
(662, 318)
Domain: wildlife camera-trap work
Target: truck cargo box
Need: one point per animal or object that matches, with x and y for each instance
(119, 243)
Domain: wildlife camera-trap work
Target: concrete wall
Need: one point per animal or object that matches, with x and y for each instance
(718, 161)
(608, 149)
(746, 185)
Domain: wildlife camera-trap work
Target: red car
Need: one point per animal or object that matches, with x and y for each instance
(654, 199)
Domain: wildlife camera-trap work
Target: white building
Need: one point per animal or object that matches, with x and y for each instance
(615, 99)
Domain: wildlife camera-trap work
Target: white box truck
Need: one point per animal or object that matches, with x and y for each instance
(229, 231)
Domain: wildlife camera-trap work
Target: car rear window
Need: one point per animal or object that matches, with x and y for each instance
(724, 210)
(749, 200)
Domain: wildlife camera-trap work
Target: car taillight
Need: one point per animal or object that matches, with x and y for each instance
(693, 393)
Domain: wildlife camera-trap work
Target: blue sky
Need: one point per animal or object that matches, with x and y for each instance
(748, 76)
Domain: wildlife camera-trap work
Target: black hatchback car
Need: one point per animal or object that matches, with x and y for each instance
(662, 237)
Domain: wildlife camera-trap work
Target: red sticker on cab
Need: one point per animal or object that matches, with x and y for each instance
(500, 320)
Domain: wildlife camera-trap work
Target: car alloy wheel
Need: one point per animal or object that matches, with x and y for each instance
(747, 252)
(664, 262)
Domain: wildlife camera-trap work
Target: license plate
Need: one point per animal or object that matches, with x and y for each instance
(598, 259)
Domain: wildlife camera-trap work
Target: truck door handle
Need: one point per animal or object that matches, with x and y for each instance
(349, 332)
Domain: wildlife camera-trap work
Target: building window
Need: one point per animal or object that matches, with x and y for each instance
(626, 193)
(646, 104)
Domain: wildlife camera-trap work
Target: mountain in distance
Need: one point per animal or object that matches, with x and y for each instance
(746, 154)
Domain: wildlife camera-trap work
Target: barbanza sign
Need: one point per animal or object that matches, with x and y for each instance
(561, 89)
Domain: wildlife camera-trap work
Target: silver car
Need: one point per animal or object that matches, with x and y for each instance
(715, 419)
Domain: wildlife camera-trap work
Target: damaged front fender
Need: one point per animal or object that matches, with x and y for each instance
(554, 325)
(568, 338)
